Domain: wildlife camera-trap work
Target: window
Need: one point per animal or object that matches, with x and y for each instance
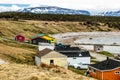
(117, 72)
(51, 62)
(98, 48)
(94, 70)
(80, 55)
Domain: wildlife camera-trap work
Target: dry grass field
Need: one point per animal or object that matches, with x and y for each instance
(29, 72)
(21, 55)
(28, 28)
(21, 65)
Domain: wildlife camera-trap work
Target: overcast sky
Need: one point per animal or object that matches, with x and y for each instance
(92, 5)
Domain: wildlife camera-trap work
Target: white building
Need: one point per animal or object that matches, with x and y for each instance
(98, 48)
(74, 55)
(82, 57)
(42, 46)
(50, 57)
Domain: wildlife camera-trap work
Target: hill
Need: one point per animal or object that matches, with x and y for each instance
(29, 72)
(15, 52)
(28, 28)
(57, 17)
(111, 13)
(20, 66)
(53, 10)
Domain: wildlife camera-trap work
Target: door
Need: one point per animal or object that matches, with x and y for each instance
(51, 62)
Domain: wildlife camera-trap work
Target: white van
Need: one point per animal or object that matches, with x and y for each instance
(81, 66)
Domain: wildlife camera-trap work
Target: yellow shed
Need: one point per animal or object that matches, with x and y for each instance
(50, 39)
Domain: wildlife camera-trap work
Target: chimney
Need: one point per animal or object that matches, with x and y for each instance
(107, 62)
(107, 58)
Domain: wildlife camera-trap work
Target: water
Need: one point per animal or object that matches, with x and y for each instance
(100, 40)
(111, 49)
(108, 40)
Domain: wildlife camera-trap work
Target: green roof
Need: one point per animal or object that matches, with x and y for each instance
(38, 35)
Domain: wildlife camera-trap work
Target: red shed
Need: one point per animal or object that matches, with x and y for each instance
(20, 38)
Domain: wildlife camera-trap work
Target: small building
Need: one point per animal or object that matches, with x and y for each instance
(74, 54)
(50, 57)
(19, 38)
(108, 69)
(41, 38)
(98, 48)
(49, 38)
(42, 46)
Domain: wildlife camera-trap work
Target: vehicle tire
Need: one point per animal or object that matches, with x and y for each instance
(78, 68)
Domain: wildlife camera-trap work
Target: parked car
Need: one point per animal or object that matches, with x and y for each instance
(80, 66)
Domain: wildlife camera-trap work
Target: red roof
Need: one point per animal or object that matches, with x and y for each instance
(20, 38)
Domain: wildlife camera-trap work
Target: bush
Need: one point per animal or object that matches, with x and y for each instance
(106, 53)
(43, 65)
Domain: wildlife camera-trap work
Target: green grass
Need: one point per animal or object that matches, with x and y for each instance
(14, 43)
(106, 53)
(25, 56)
(29, 28)
(22, 59)
(94, 61)
(92, 57)
(76, 70)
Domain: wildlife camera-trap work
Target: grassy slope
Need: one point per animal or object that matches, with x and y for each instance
(28, 72)
(21, 64)
(15, 52)
(28, 28)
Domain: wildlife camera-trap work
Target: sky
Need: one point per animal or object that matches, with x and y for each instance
(90, 5)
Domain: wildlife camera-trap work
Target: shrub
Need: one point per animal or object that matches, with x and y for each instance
(106, 53)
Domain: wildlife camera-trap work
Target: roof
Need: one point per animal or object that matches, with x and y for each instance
(43, 52)
(72, 51)
(106, 64)
(38, 38)
(76, 54)
(19, 35)
(37, 35)
(47, 37)
(43, 36)
(67, 48)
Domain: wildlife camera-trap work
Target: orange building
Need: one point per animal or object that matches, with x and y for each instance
(108, 69)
